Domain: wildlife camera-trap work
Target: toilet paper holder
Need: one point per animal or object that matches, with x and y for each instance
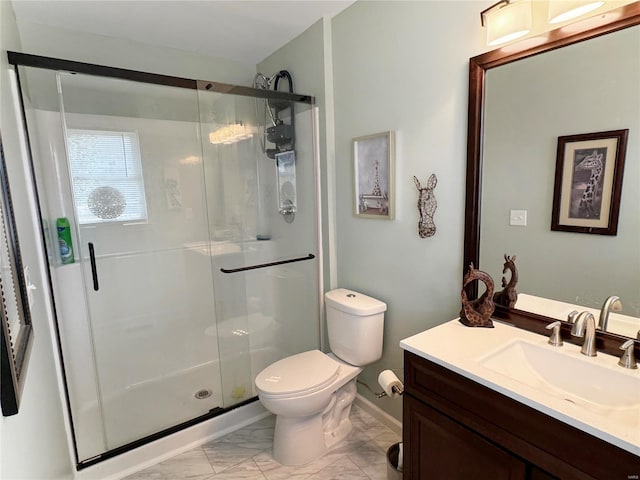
(390, 383)
(394, 389)
(397, 389)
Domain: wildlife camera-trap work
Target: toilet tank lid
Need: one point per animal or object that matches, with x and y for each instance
(354, 303)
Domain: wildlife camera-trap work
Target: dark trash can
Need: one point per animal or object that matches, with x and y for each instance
(392, 462)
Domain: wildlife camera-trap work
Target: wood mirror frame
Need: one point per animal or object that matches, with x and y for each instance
(612, 21)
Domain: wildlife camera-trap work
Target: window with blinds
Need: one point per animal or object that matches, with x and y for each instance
(106, 173)
(8, 279)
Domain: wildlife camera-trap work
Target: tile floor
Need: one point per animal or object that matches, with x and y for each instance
(246, 454)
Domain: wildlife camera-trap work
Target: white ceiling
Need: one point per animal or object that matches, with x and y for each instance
(246, 31)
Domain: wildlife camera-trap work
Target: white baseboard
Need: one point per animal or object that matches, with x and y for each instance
(174, 444)
(379, 414)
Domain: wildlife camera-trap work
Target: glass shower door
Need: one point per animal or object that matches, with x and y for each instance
(157, 325)
(265, 310)
(140, 221)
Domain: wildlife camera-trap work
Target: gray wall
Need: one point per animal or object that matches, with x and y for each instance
(33, 443)
(403, 66)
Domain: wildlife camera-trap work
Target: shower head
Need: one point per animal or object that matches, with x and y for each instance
(280, 133)
(262, 81)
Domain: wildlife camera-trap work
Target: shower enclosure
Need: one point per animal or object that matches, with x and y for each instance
(186, 281)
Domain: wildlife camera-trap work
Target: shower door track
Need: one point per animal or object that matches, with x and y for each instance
(214, 412)
(50, 63)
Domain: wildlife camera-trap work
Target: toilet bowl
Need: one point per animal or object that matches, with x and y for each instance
(311, 393)
(305, 404)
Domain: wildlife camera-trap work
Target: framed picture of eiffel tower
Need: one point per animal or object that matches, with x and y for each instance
(588, 182)
(374, 176)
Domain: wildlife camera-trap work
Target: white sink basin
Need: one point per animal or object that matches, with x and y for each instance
(577, 380)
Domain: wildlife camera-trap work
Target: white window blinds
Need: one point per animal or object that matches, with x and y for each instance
(8, 282)
(106, 174)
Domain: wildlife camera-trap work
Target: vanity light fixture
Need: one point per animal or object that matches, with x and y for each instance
(506, 20)
(563, 10)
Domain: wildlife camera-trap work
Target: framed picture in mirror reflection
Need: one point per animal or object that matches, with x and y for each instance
(588, 182)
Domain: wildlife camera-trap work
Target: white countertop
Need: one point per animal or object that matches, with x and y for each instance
(461, 349)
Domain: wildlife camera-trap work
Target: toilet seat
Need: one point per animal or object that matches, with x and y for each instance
(305, 373)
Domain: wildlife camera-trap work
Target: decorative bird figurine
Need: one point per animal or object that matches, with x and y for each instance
(507, 297)
(477, 313)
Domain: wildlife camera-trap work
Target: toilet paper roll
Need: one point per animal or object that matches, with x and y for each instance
(390, 383)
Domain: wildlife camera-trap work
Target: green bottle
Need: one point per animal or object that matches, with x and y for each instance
(64, 240)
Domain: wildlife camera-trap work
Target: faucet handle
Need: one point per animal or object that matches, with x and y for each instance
(571, 316)
(628, 359)
(555, 339)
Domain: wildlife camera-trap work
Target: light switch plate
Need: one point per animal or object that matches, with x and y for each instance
(518, 218)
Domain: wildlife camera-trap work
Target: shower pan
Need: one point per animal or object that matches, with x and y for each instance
(187, 281)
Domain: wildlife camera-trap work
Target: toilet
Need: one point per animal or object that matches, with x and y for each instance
(311, 392)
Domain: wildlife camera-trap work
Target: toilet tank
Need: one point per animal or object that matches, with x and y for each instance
(355, 323)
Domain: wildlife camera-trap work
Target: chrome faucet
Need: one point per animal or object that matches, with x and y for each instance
(611, 303)
(578, 330)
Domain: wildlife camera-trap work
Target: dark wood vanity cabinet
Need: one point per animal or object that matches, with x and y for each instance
(455, 429)
(441, 448)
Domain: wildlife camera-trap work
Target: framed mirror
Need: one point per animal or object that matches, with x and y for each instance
(488, 81)
(14, 304)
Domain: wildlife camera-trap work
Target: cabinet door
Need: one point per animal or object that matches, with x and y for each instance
(441, 449)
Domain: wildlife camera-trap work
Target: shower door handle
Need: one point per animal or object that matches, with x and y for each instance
(94, 270)
(311, 256)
